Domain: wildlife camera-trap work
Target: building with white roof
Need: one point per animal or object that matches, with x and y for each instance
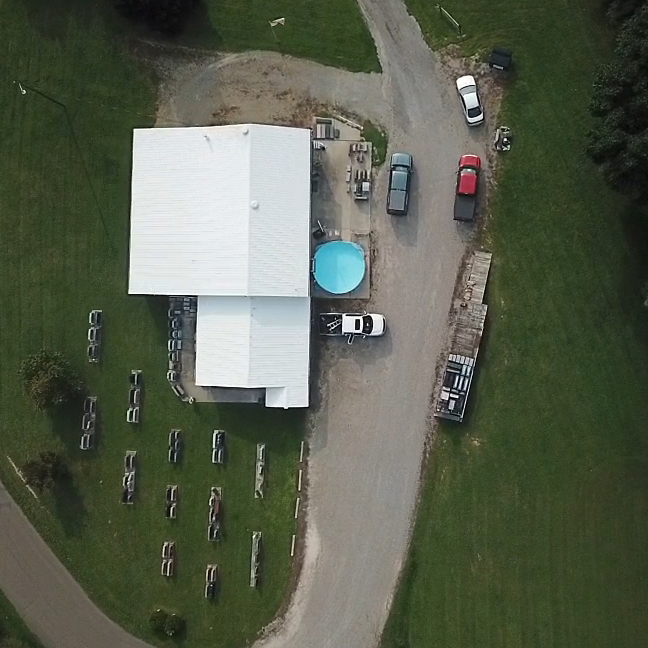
(223, 213)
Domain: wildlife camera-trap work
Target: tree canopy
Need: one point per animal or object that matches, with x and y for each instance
(620, 10)
(158, 620)
(45, 471)
(174, 625)
(619, 142)
(49, 380)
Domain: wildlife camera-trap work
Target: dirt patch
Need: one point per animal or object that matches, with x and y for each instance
(492, 86)
(207, 89)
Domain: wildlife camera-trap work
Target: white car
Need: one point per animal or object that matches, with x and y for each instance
(470, 102)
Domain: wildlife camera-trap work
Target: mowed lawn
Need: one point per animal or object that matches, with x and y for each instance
(328, 31)
(63, 253)
(13, 633)
(331, 32)
(532, 529)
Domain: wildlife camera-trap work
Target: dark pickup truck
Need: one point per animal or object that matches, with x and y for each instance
(467, 186)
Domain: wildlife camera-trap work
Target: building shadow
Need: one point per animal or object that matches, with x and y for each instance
(281, 429)
(158, 307)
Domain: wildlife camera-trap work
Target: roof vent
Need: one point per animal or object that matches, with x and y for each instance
(254, 204)
(245, 130)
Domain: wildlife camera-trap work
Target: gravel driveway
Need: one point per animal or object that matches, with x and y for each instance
(369, 434)
(370, 427)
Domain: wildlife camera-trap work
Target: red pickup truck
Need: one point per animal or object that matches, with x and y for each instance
(467, 186)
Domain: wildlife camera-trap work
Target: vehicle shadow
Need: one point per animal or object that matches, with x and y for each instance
(364, 352)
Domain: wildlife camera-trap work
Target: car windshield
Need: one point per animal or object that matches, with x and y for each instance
(367, 324)
(474, 112)
(399, 180)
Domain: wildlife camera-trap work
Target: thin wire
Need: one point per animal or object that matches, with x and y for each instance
(23, 87)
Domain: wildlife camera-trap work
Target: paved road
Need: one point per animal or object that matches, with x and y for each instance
(370, 428)
(49, 600)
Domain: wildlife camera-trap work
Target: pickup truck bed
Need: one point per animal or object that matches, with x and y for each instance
(464, 207)
(330, 324)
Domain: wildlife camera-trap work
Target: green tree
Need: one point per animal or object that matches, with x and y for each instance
(157, 620)
(174, 625)
(619, 142)
(620, 10)
(49, 380)
(45, 471)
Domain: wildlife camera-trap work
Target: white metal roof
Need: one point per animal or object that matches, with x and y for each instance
(255, 342)
(220, 210)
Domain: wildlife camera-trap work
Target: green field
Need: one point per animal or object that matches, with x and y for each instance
(331, 32)
(63, 253)
(532, 529)
(13, 633)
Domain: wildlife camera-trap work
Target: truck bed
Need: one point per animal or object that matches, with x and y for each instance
(464, 207)
(330, 324)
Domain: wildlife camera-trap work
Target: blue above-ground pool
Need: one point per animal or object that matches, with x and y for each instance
(339, 266)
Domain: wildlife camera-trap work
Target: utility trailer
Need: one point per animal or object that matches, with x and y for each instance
(352, 325)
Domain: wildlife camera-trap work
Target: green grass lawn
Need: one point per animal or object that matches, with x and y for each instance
(328, 31)
(60, 256)
(13, 633)
(533, 523)
(331, 32)
(378, 139)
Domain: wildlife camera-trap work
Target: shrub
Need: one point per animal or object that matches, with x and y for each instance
(174, 625)
(378, 140)
(158, 620)
(49, 380)
(46, 471)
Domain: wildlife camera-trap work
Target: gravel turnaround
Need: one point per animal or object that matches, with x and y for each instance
(373, 413)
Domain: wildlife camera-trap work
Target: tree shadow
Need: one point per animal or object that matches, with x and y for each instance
(198, 30)
(69, 507)
(51, 19)
(66, 423)
(634, 278)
